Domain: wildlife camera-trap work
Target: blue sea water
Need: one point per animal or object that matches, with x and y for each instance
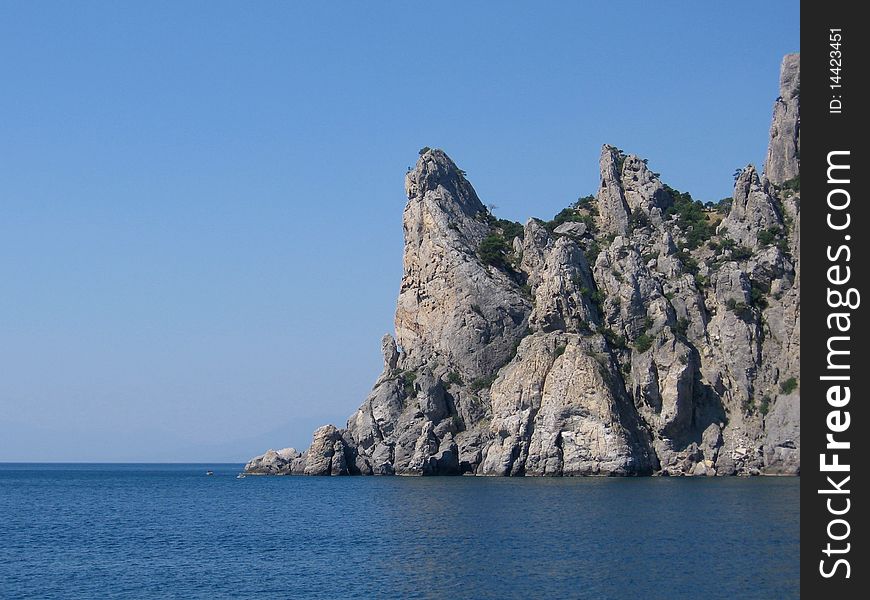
(170, 531)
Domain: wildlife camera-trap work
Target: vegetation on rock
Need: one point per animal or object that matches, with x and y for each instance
(789, 385)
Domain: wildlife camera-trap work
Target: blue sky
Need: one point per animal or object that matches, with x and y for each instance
(200, 202)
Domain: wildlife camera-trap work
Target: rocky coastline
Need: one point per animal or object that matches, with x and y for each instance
(638, 332)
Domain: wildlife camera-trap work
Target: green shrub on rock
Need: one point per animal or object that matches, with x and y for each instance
(493, 251)
(788, 386)
(643, 342)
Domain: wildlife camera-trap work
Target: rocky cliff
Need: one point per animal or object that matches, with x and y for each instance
(638, 332)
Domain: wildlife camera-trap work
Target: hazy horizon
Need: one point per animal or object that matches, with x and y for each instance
(201, 210)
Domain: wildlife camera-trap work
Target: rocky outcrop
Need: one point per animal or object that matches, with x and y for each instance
(753, 210)
(556, 411)
(612, 209)
(452, 308)
(273, 462)
(784, 151)
(639, 332)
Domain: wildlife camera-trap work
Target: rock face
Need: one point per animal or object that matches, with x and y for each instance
(637, 333)
(272, 462)
(452, 310)
(783, 154)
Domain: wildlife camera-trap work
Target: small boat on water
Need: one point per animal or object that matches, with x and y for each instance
(209, 472)
(240, 476)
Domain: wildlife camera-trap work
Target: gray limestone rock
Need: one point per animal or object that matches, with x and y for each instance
(557, 412)
(783, 154)
(607, 347)
(452, 308)
(320, 454)
(571, 228)
(390, 352)
(536, 244)
(613, 212)
(272, 462)
(642, 189)
(753, 211)
(782, 439)
(563, 296)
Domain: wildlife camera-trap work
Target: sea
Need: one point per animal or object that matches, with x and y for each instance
(172, 531)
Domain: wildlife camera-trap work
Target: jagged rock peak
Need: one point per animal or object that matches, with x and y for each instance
(650, 341)
(790, 77)
(628, 187)
(753, 210)
(612, 209)
(436, 173)
(446, 286)
(783, 153)
(390, 352)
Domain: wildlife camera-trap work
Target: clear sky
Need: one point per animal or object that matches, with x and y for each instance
(200, 202)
